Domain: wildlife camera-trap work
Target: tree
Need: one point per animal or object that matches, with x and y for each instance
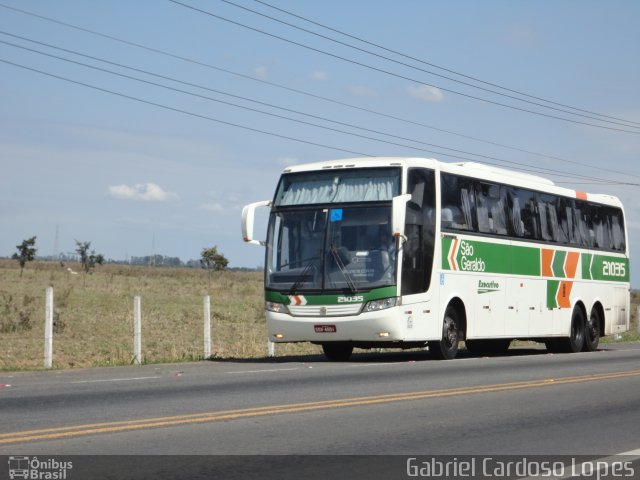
(211, 259)
(26, 252)
(88, 259)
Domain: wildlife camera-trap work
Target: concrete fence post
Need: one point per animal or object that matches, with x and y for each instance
(48, 329)
(137, 331)
(271, 349)
(207, 327)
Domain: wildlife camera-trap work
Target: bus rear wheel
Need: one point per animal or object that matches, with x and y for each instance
(592, 332)
(447, 347)
(338, 351)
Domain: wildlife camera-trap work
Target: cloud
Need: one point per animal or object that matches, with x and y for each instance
(426, 93)
(320, 75)
(521, 36)
(260, 72)
(212, 207)
(360, 91)
(144, 192)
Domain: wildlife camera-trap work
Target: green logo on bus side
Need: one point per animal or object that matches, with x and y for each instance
(474, 256)
(488, 287)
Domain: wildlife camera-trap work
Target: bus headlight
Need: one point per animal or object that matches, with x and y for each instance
(276, 307)
(382, 304)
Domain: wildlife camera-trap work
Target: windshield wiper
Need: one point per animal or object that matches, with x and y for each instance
(343, 270)
(303, 276)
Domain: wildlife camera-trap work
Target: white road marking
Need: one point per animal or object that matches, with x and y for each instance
(362, 365)
(265, 371)
(115, 380)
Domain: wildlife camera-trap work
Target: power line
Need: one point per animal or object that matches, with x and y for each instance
(241, 106)
(626, 122)
(185, 112)
(404, 77)
(302, 92)
(244, 98)
(377, 45)
(485, 157)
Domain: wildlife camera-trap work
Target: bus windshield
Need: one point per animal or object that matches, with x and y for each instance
(346, 249)
(338, 186)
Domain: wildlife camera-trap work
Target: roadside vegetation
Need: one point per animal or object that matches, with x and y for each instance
(93, 315)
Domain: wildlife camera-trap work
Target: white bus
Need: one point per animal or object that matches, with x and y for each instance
(413, 252)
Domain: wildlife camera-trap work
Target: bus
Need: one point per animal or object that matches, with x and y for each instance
(415, 253)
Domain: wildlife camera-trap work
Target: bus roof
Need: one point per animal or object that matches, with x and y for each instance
(469, 169)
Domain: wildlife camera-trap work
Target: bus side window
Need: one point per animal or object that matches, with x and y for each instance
(522, 213)
(490, 208)
(598, 226)
(580, 224)
(617, 231)
(459, 198)
(549, 228)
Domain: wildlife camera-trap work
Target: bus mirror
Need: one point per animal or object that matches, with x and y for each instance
(399, 210)
(248, 217)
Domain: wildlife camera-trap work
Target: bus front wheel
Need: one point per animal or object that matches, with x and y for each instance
(337, 352)
(447, 347)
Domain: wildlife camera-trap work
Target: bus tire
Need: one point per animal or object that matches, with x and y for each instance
(447, 347)
(485, 348)
(338, 351)
(575, 341)
(592, 331)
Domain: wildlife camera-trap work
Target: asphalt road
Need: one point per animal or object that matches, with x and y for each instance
(526, 403)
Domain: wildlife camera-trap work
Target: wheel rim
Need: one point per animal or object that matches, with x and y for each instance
(450, 336)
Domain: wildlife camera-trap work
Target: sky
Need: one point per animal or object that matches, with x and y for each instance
(227, 96)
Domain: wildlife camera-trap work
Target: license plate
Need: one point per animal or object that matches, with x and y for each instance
(325, 328)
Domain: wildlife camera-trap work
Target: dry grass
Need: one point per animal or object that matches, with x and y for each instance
(93, 320)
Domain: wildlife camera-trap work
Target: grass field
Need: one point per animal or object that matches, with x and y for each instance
(93, 319)
(94, 315)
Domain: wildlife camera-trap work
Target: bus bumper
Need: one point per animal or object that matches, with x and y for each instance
(384, 325)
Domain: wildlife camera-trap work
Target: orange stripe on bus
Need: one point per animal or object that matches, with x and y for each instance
(581, 195)
(571, 264)
(564, 292)
(547, 261)
(452, 257)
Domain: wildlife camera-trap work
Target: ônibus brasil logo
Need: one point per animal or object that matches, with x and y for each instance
(36, 469)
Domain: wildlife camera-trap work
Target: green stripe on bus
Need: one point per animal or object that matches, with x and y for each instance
(604, 267)
(525, 261)
(485, 257)
(446, 245)
(474, 256)
(333, 299)
(558, 263)
(552, 290)
(586, 266)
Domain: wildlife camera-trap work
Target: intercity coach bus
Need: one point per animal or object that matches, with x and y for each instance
(412, 252)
